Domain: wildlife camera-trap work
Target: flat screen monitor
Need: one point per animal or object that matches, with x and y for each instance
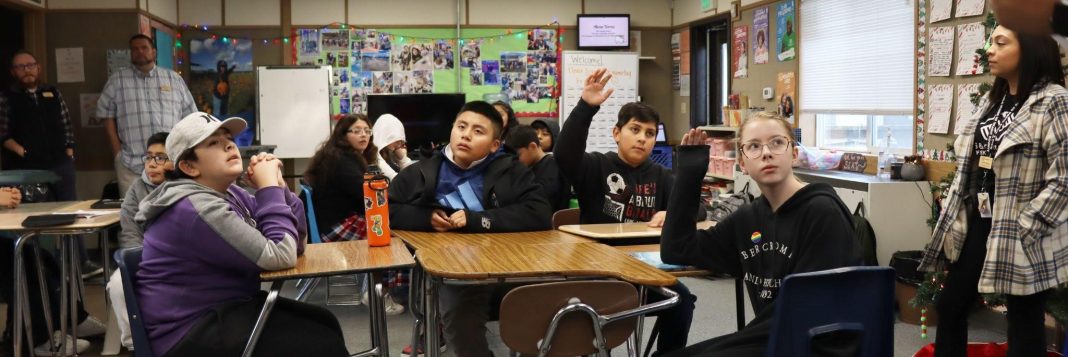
(427, 118)
(603, 32)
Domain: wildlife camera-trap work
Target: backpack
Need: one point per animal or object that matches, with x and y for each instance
(722, 208)
(865, 236)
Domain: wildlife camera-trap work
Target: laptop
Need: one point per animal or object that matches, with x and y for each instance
(662, 152)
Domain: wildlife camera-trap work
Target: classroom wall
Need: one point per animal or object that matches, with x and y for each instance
(167, 10)
(92, 4)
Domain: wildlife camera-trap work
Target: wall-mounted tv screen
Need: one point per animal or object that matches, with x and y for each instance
(427, 118)
(603, 32)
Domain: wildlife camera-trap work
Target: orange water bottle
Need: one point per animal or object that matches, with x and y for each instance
(376, 206)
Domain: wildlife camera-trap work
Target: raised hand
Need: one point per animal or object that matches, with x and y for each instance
(694, 137)
(593, 91)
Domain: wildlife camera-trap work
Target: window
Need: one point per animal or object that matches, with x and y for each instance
(856, 64)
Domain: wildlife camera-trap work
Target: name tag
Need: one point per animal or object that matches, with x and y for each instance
(47, 94)
(165, 88)
(986, 162)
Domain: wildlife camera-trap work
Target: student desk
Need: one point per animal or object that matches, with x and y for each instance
(340, 258)
(478, 259)
(613, 233)
(70, 275)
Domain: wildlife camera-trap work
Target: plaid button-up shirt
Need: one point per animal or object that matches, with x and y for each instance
(1027, 250)
(142, 105)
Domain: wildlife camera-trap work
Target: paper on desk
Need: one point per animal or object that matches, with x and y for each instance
(88, 213)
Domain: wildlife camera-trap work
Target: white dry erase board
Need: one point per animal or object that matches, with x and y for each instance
(293, 104)
(577, 65)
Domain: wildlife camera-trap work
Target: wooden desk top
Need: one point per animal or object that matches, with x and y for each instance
(422, 240)
(325, 259)
(539, 260)
(656, 248)
(619, 230)
(11, 219)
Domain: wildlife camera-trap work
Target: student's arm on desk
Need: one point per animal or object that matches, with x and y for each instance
(405, 210)
(680, 241)
(530, 211)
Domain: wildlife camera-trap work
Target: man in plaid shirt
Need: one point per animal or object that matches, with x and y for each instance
(35, 126)
(139, 101)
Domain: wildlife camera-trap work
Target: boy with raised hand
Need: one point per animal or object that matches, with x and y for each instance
(469, 186)
(622, 186)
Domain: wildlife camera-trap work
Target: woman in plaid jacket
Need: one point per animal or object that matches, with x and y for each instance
(1002, 229)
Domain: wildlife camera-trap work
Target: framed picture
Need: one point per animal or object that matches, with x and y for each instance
(736, 10)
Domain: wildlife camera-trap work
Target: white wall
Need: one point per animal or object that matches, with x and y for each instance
(318, 12)
(404, 12)
(690, 10)
(253, 12)
(523, 12)
(165, 9)
(647, 13)
(200, 12)
(90, 4)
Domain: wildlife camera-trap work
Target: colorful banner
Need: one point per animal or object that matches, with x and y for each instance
(786, 33)
(739, 53)
(760, 36)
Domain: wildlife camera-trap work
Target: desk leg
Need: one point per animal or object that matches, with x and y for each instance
(21, 309)
(45, 299)
(64, 292)
(639, 330)
(431, 348)
(261, 321)
(378, 315)
(739, 303)
(77, 289)
(416, 302)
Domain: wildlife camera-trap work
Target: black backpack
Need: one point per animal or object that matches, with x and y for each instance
(865, 235)
(723, 208)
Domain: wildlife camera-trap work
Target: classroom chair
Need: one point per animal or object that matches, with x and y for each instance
(565, 216)
(306, 286)
(850, 309)
(573, 318)
(129, 261)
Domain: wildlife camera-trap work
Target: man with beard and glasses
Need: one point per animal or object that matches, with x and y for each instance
(139, 101)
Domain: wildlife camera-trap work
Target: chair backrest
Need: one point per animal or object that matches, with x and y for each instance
(527, 311)
(837, 307)
(565, 216)
(129, 261)
(309, 208)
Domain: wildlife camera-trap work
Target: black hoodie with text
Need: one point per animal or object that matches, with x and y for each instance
(608, 189)
(811, 231)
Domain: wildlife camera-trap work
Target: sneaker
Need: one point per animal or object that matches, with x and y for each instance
(71, 348)
(392, 307)
(91, 269)
(419, 353)
(91, 327)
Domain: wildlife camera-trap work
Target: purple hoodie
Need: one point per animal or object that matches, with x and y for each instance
(203, 248)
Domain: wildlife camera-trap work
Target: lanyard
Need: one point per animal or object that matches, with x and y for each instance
(997, 114)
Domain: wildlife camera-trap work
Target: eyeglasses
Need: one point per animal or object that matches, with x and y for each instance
(776, 146)
(157, 159)
(360, 131)
(25, 66)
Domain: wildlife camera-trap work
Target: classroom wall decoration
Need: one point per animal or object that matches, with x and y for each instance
(786, 87)
(760, 36)
(221, 79)
(676, 59)
(969, 38)
(940, 51)
(967, 8)
(520, 64)
(941, 10)
(740, 54)
(785, 32)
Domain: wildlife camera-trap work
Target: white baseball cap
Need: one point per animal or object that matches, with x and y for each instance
(196, 127)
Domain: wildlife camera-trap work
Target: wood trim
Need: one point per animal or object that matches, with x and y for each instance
(157, 18)
(759, 4)
(22, 6)
(285, 14)
(111, 10)
(222, 5)
(467, 12)
(246, 27)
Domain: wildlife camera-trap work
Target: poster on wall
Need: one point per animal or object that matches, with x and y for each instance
(117, 60)
(941, 10)
(739, 53)
(676, 60)
(965, 108)
(967, 8)
(87, 106)
(940, 106)
(785, 86)
(70, 65)
(940, 51)
(760, 34)
(222, 81)
(970, 37)
(785, 33)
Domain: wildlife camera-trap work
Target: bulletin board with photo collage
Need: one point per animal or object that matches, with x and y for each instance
(520, 64)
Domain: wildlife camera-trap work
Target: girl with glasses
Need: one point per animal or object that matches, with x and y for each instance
(793, 227)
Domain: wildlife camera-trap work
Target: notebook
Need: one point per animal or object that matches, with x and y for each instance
(49, 220)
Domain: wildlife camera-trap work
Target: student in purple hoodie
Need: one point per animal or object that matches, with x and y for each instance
(206, 242)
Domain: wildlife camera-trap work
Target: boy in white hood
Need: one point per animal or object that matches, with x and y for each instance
(388, 135)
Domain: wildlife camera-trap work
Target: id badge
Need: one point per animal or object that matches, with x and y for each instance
(986, 162)
(985, 210)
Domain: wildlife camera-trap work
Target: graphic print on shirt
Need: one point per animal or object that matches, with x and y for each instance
(629, 203)
(991, 131)
(768, 286)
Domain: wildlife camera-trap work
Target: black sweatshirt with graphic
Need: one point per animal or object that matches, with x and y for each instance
(811, 231)
(608, 189)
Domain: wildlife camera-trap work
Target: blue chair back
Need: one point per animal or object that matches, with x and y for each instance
(129, 261)
(852, 300)
(313, 226)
